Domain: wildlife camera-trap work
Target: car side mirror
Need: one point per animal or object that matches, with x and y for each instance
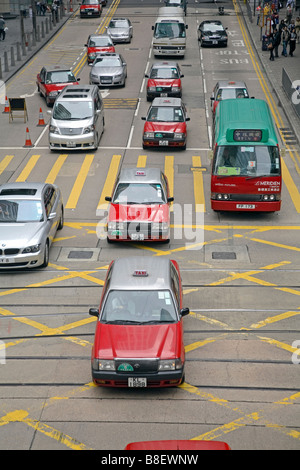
(170, 199)
(143, 118)
(108, 198)
(146, 75)
(181, 75)
(152, 28)
(94, 312)
(52, 216)
(184, 311)
(187, 119)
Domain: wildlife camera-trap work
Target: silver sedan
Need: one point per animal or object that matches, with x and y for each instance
(120, 30)
(30, 215)
(108, 69)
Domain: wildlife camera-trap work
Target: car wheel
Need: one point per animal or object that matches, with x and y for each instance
(46, 255)
(48, 101)
(61, 221)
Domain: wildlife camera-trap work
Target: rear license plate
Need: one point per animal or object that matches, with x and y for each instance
(71, 144)
(245, 206)
(137, 236)
(6, 260)
(137, 382)
(163, 142)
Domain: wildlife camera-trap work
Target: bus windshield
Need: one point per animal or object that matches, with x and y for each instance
(246, 160)
(169, 30)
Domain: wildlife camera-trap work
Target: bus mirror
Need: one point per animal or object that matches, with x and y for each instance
(282, 152)
(210, 155)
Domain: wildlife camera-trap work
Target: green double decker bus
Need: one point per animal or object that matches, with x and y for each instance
(246, 167)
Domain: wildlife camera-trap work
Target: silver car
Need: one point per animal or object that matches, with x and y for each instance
(30, 215)
(108, 69)
(120, 30)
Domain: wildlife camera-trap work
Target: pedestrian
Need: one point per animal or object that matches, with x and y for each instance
(289, 14)
(271, 46)
(297, 24)
(285, 39)
(2, 28)
(293, 37)
(277, 41)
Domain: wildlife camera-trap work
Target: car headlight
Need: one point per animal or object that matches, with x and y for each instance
(94, 76)
(178, 135)
(152, 88)
(89, 129)
(170, 364)
(115, 225)
(160, 225)
(149, 135)
(54, 129)
(53, 93)
(32, 249)
(175, 88)
(117, 77)
(92, 56)
(103, 364)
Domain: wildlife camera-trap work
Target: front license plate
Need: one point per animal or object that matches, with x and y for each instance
(163, 142)
(137, 236)
(245, 206)
(137, 382)
(71, 144)
(89, 13)
(6, 260)
(215, 42)
(164, 94)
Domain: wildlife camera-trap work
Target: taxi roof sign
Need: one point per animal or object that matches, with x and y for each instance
(140, 273)
(140, 173)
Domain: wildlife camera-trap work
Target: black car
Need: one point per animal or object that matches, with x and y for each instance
(212, 33)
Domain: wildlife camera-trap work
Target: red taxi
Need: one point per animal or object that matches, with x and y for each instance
(140, 206)
(98, 43)
(51, 81)
(165, 124)
(224, 90)
(178, 444)
(164, 79)
(90, 8)
(139, 331)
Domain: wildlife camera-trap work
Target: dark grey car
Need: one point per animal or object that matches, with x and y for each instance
(30, 215)
(108, 69)
(212, 33)
(120, 30)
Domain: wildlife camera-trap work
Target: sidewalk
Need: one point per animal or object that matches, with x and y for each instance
(274, 70)
(11, 64)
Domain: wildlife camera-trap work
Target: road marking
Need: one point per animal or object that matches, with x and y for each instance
(28, 168)
(110, 181)
(56, 169)
(292, 188)
(5, 162)
(78, 185)
(198, 185)
(169, 172)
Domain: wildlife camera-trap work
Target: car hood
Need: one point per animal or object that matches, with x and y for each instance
(58, 86)
(101, 49)
(14, 235)
(106, 70)
(165, 126)
(141, 212)
(118, 31)
(140, 341)
(164, 82)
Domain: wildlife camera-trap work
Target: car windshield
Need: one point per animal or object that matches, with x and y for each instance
(62, 76)
(137, 306)
(247, 160)
(164, 72)
(118, 24)
(169, 30)
(72, 110)
(90, 2)
(107, 62)
(139, 193)
(228, 93)
(100, 41)
(18, 210)
(212, 28)
(165, 114)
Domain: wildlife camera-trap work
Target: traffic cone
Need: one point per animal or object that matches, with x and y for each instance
(6, 109)
(71, 6)
(41, 119)
(28, 142)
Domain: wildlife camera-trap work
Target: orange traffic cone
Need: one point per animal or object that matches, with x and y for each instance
(6, 109)
(71, 6)
(28, 142)
(41, 119)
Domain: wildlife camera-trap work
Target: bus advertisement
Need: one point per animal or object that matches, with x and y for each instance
(246, 168)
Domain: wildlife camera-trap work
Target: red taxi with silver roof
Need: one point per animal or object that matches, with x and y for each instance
(140, 206)
(139, 331)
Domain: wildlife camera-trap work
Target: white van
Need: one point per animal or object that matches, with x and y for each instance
(169, 33)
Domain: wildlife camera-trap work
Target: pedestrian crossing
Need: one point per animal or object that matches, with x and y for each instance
(63, 167)
(81, 174)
